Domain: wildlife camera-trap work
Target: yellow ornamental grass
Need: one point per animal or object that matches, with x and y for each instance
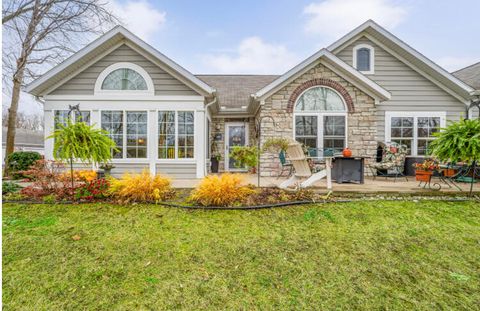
(224, 190)
(141, 187)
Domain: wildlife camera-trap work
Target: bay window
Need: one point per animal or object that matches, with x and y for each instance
(132, 142)
(413, 129)
(176, 131)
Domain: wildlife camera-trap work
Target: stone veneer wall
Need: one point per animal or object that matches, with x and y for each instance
(220, 123)
(361, 120)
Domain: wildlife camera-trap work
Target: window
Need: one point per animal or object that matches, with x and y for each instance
(176, 131)
(320, 120)
(131, 143)
(61, 117)
(136, 134)
(124, 79)
(414, 130)
(363, 58)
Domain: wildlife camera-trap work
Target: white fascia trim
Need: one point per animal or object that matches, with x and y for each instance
(130, 36)
(148, 80)
(124, 97)
(261, 94)
(371, 50)
(403, 45)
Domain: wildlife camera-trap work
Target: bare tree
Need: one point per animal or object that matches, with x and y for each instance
(25, 121)
(40, 33)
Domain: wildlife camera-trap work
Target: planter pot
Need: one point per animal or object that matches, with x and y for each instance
(421, 175)
(449, 172)
(214, 165)
(106, 172)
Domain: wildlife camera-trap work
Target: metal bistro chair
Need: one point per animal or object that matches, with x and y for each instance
(393, 162)
(286, 165)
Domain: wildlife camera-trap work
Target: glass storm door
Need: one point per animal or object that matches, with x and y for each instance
(236, 135)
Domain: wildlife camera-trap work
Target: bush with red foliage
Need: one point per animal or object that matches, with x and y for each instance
(93, 190)
(47, 177)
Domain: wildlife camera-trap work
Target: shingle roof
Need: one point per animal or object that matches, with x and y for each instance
(470, 75)
(233, 91)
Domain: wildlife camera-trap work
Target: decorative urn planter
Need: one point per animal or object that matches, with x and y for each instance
(347, 153)
(214, 161)
(449, 172)
(422, 175)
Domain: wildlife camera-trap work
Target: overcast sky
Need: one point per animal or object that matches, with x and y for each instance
(271, 36)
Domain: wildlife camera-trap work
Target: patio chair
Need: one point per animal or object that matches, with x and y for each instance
(286, 166)
(299, 161)
(393, 162)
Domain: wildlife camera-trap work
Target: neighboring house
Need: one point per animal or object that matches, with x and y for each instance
(368, 87)
(25, 140)
(471, 76)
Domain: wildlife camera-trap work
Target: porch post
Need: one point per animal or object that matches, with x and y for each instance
(152, 141)
(49, 117)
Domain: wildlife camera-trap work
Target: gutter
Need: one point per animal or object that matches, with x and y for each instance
(205, 131)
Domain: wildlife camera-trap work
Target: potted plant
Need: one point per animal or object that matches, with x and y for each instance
(107, 168)
(275, 144)
(424, 170)
(245, 156)
(459, 142)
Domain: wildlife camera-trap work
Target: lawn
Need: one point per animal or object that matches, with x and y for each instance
(369, 255)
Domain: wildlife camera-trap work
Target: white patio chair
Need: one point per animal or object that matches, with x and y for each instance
(297, 157)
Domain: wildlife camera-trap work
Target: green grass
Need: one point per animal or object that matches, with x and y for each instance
(370, 256)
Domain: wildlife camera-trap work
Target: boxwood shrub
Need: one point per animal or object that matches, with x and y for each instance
(20, 161)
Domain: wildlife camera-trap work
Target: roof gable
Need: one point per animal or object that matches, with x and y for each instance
(324, 56)
(412, 57)
(104, 45)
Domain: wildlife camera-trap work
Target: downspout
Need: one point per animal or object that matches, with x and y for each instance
(205, 127)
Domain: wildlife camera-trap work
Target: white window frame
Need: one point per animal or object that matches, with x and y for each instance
(415, 115)
(148, 80)
(124, 137)
(372, 57)
(176, 159)
(320, 116)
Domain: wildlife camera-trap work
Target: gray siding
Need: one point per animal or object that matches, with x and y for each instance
(177, 170)
(122, 168)
(410, 90)
(84, 82)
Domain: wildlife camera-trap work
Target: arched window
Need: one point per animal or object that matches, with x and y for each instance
(121, 78)
(363, 58)
(320, 121)
(124, 79)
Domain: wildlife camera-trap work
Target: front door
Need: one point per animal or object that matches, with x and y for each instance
(236, 135)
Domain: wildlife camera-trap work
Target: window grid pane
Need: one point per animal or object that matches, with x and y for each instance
(136, 134)
(363, 59)
(426, 127)
(112, 122)
(306, 130)
(166, 134)
(185, 134)
(333, 133)
(401, 131)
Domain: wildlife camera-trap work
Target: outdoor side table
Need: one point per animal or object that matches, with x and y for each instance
(348, 169)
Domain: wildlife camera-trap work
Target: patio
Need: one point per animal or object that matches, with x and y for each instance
(379, 185)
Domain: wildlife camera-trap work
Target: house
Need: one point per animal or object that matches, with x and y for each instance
(367, 87)
(25, 140)
(471, 76)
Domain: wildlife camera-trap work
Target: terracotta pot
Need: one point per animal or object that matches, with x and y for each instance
(347, 153)
(449, 172)
(421, 175)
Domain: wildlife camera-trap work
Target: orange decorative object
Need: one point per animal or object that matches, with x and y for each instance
(449, 172)
(421, 175)
(347, 153)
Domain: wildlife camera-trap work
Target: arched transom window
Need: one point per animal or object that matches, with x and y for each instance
(124, 79)
(320, 121)
(121, 78)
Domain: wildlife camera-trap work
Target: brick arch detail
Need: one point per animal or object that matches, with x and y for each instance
(320, 82)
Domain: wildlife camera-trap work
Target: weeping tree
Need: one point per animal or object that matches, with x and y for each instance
(77, 141)
(459, 142)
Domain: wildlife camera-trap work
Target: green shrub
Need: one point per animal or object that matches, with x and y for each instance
(14, 196)
(245, 156)
(49, 199)
(21, 161)
(9, 187)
